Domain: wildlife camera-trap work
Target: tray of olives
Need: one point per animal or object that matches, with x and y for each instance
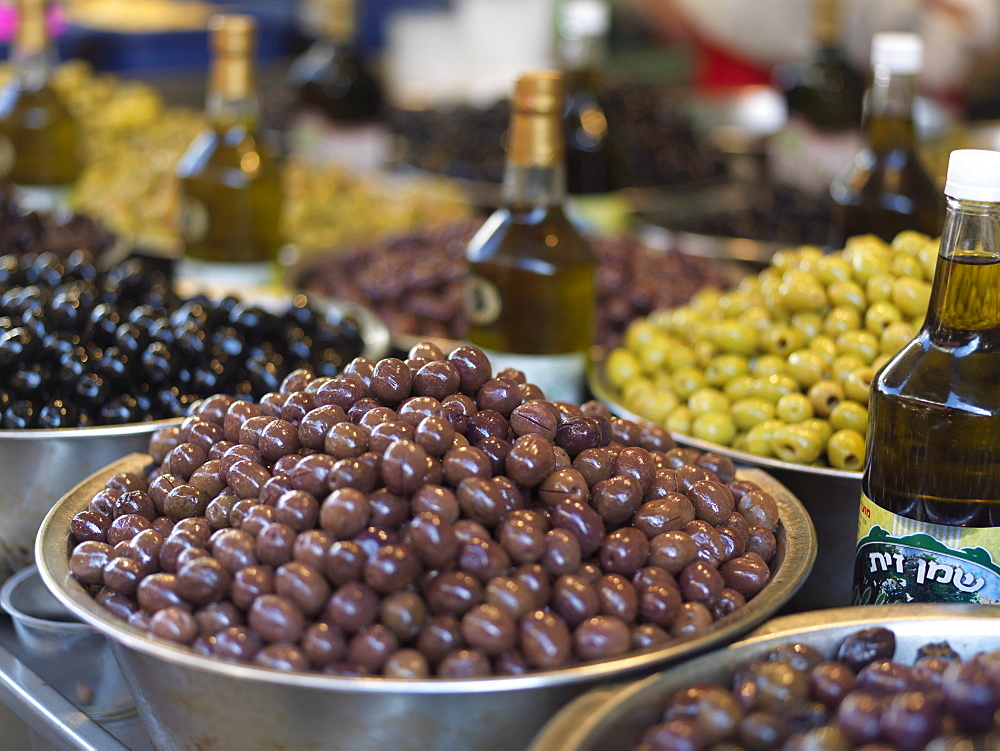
(907, 676)
(776, 371)
(412, 556)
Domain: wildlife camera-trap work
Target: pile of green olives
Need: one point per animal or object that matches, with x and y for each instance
(780, 365)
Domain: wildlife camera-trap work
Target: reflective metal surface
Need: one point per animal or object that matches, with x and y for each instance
(614, 719)
(189, 701)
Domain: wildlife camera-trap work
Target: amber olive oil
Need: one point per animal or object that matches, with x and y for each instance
(39, 138)
(930, 514)
(230, 180)
(531, 289)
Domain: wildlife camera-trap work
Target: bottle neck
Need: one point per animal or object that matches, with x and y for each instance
(232, 95)
(535, 172)
(965, 295)
(826, 24)
(889, 111)
(581, 54)
(32, 52)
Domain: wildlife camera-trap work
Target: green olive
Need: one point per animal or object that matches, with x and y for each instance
(704, 351)
(911, 296)
(724, 368)
(796, 443)
(732, 304)
(825, 347)
(682, 321)
(681, 356)
(758, 318)
(858, 383)
(751, 411)
(909, 242)
(841, 319)
(759, 437)
(794, 407)
(869, 260)
(928, 256)
(740, 443)
(846, 449)
(808, 257)
(635, 388)
(907, 266)
(639, 334)
(705, 301)
(781, 340)
(716, 427)
(832, 268)
(733, 336)
(847, 294)
(686, 381)
(862, 343)
(739, 387)
(896, 336)
(806, 367)
(825, 395)
(707, 400)
(880, 361)
(849, 414)
(879, 315)
(878, 288)
(784, 259)
(808, 322)
(654, 405)
(653, 356)
(822, 427)
(774, 386)
(766, 365)
(621, 366)
(844, 364)
(679, 420)
(800, 290)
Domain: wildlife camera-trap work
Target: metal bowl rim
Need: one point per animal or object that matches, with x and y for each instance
(96, 431)
(51, 555)
(599, 388)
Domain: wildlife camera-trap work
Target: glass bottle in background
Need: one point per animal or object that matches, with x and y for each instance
(885, 188)
(230, 181)
(40, 150)
(929, 523)
(531, 288)
(339, 97)
(593, 157)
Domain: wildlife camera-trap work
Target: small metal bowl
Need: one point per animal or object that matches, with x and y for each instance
(613, 719)
(186, 700)
(830, 495)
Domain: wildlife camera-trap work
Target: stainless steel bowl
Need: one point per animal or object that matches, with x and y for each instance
(614, 719)
(189, 701)
(39, 467)
(831, 496)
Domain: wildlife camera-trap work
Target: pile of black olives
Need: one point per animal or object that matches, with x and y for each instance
(422, 517)
(30, 232)
(796, 698)
(82, 347)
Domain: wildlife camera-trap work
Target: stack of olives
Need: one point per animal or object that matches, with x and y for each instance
(780, 366)
(82, 347)
(422, 518)
(795, 698)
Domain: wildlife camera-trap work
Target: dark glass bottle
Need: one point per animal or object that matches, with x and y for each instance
(39, 137)
(929, 527)
(885, 188)
(824, 88)
(331, 76)
(531, 289)
(230, 181)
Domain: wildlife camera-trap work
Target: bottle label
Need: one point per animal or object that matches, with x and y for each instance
(903, 560)
(195, 220)
(559, 376)
(483, 303)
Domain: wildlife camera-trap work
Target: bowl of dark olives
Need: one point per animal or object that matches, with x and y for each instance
(93, 360)
(423, 535)
(909, 676)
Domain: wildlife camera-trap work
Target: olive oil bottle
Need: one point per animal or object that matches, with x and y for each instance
(531, 287)
(39, 138)
(929, 524)
(885, 189)
(230, 181)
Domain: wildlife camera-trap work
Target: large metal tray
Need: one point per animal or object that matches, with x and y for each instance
(189, 701)
(613, 719)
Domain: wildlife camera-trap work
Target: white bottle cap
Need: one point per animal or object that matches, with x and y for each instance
(900, 52)
(584, 18)
(974, 175)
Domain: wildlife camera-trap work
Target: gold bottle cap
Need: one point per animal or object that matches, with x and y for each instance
(232, 33)
(540, 93)
(31, 31)
(826, 21)
(337, 19)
